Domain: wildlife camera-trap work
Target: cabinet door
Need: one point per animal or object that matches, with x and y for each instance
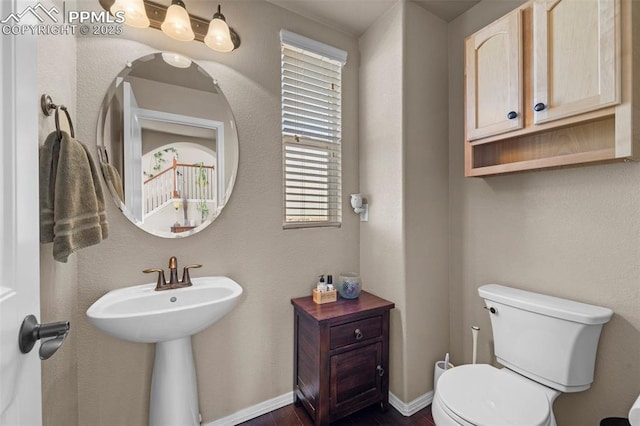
(356, 379)
(493, 68)
(576, 57)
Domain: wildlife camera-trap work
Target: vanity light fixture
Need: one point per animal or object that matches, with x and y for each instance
(220, 36)
(176, 22)
(134, 13)
(360, 207)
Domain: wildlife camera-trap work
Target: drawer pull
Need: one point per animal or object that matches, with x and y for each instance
(512, 115)
(358, 334)
(380, 370)
(539, 107)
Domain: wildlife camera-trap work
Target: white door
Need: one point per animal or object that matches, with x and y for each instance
(133, 192)
(20, 393)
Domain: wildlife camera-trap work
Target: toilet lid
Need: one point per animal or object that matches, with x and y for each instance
(484, 396)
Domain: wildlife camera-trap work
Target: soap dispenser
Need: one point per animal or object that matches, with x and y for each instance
(321, 285)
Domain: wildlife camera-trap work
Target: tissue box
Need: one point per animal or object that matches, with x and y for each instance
(321, 297)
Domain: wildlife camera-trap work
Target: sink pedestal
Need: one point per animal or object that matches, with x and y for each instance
(168, 319)
(174, 390)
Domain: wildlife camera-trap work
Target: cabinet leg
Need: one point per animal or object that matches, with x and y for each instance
(384, 406)
(296, 400)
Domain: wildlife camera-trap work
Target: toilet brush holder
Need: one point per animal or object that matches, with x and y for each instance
(437, 372)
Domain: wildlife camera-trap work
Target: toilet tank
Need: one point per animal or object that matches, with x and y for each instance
(550, 340)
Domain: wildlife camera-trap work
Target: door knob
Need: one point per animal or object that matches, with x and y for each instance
(31, 332)
(539, 107)
(512, 115)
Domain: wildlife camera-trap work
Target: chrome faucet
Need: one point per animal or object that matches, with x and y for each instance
(173, 275)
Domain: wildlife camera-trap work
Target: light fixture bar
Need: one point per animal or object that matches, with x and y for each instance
(156, 13)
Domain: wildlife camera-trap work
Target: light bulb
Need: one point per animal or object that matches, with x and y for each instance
(177, 23)
(134, 12)
(219, 37)
(176, 60)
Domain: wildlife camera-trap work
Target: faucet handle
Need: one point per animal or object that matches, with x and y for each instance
(162, 282)
(186, 279)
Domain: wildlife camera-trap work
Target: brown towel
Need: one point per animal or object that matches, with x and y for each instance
(72, 211)
(113, 180)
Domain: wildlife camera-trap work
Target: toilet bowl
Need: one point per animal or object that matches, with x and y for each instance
(547, 345)
(482, 395)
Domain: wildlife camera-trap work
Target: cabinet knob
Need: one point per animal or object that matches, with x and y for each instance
(512, 115)
(380, 370)
(539, 107)
(358, 334)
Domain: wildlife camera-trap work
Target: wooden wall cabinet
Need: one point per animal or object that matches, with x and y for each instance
(494, 78)
(576, 60)
(341, 356)
(578, 100)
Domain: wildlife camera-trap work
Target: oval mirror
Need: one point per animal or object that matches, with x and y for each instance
(168, 145)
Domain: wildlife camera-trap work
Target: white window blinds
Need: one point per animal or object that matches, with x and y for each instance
(311, 82)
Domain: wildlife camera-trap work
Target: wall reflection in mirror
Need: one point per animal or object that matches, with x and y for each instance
(168, 145)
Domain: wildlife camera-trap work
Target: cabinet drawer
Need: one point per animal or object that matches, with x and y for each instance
(346, 334)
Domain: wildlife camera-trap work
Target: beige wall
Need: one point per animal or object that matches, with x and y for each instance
(426, 197)
(403, 173)
(246, 358)
(573, 233)
(381, 176)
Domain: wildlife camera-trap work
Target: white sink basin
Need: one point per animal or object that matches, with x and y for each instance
(168, 318)
(141, 314)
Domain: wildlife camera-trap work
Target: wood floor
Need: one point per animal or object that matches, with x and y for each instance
(291, 415)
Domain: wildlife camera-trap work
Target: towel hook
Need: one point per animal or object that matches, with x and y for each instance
(46, 103)
(57, 119)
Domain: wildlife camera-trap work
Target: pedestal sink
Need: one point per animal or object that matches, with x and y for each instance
(169, 319)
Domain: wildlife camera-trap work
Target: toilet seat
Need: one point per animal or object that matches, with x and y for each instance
(482, 395)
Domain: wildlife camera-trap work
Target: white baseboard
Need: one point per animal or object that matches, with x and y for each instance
(280, 401)
(254, 411)
(409, 409)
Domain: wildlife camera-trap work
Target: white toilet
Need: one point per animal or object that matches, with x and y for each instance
(547, 345)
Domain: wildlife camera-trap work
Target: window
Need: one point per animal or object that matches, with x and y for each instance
(311, 83)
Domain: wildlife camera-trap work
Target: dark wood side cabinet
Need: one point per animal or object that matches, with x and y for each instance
(176, 229)
(341, 355)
